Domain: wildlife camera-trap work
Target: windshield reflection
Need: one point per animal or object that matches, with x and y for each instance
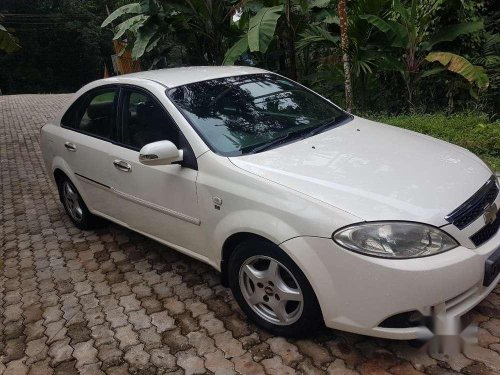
(236, 115)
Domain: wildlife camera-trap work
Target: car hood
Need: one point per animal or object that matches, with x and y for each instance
(375, 171)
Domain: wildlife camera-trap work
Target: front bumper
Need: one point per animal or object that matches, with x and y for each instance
(357, 293)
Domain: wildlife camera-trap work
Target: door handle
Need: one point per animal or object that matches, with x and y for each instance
(70, 146)
(122, 165)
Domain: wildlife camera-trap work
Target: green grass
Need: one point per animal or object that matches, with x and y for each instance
(472, 131)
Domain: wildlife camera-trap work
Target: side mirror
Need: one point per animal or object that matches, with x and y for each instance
(160, 153)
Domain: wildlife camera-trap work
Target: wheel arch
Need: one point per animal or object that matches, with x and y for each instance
(228, 247)
(60, 170)
(59, 176)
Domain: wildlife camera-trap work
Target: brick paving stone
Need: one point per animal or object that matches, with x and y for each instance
(229, 345)
(84, 353)
(95, 316)
(136, 356)
(245, 365)
(36, 350)
(109, 355)
(285, 350)
(150, 338)
(130, 303)
(78, 333)
(34, 330)
(139, 319)
(126, 336)
(338, 367)
(118, 370)
(211, 324)
(41, 368)
(91, 369)
(162, 321)
(55, 331)
(14, 349)
(275, 366)
(218, 364)
(151, 304)
(201, 342)
(112, 301)
(487, 356)
(116, 317)
(66, 368)
(102, 334)
(175, 341)
(306, 366)
(16, 367)
(162, 359)
(191, 362)
(60, 351)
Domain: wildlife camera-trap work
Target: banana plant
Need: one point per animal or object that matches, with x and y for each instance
(8, 42)
(258, 36)
(273, 25)
(201, 27)
(407, 31)
(141, 21)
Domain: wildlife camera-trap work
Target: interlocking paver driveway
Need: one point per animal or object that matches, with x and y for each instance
(111, 301)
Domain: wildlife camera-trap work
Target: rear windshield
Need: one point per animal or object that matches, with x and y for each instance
(241, 115)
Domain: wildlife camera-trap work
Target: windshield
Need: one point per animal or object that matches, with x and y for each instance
(246, 114)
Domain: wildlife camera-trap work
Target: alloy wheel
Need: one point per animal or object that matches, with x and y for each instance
(72, 201)
(271, 290)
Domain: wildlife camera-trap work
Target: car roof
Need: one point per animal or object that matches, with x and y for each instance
(174, 77)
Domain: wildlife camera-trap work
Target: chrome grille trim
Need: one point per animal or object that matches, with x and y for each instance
(472, 208)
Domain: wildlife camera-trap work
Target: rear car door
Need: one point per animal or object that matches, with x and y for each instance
(87, 131)
(158, 200)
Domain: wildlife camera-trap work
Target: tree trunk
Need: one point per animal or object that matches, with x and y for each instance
(290, 43)
(344, 44)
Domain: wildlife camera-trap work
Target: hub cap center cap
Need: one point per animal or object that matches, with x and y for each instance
(269, 291)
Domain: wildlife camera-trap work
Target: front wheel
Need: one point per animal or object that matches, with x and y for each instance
(272, 290)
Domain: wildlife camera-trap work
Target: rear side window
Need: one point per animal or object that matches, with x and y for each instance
(93, 114)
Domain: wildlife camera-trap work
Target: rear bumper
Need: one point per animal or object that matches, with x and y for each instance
(357, 293)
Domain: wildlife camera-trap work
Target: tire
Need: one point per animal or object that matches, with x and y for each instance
(272, 290)
(75, 207)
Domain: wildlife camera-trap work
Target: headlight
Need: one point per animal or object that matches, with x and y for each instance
(394, 239)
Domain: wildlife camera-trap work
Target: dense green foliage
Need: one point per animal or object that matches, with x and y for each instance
(405, 55)
(471, 130)
(413, 55)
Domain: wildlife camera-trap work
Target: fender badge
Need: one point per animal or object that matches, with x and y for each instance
(217, 202)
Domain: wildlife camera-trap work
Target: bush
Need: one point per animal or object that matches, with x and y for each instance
(469, 130)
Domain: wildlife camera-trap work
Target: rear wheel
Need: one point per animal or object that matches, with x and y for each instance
(272, 290)
(75, 206)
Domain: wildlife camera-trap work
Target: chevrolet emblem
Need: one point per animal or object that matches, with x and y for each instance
(490, 213)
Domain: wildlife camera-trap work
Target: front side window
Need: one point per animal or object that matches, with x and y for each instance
(145, 121)
(244, 114)
(96, 116)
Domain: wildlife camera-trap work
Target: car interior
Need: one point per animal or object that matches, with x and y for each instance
(98, 115)
(144, 121)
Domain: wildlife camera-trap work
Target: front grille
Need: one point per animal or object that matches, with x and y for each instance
(474, 206)
(486, 232)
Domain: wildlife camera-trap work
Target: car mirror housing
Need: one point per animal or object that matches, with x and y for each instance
(160, 153)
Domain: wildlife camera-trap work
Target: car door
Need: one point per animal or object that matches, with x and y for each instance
(87, 131)
(158, 200)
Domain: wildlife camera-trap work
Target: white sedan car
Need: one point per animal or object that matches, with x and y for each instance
(312, 215)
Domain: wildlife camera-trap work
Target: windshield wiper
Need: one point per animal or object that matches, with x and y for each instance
(324, 126)
(276, 141)
(304, 133)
